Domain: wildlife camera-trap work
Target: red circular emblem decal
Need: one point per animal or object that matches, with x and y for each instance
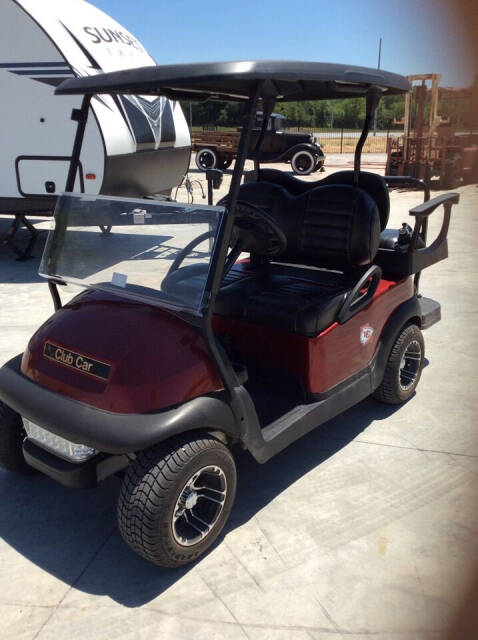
(366, 333)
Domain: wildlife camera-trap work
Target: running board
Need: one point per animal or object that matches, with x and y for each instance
(266, 443)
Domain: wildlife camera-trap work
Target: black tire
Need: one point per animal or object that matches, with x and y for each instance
(319, 163)
(302, 163)
(12, 434)
(404, 367)
(206, 159)
(225, 163)
(155, 490)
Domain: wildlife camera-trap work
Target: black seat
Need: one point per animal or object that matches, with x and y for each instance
(283, 297)
(332, 236)
(372, 183)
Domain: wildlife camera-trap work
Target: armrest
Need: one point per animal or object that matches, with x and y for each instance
(421, 213)
(426, 208)
(361, 294)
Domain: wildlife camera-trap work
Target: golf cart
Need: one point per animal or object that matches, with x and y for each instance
(201, 327)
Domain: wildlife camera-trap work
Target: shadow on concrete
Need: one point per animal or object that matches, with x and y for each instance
(103, 251)
(14, 270)
(73, 534)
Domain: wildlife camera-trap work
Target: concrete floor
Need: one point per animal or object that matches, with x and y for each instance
(366, 527)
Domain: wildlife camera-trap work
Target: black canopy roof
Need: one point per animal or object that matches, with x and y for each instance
(283, 80)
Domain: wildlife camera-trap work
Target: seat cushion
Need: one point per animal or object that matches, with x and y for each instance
(287, 298)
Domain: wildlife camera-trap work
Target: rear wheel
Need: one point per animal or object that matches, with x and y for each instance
(302, 163)
(404, 367)
(12, 434)
(206, 159)
(225, 163)
(176, 498)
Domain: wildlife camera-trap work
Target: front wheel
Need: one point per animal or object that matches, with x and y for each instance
(302, 163)
(403, 368)
(176, 498)
(319, 163)
(12, 434)
(206, 159)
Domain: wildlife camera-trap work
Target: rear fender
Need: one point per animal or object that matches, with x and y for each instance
(407, 313)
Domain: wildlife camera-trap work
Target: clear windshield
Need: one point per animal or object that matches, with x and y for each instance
(154, 251)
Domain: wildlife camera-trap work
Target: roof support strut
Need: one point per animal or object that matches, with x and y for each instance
(267, 108)
(373, 98)
(216, 270)
(81, 116)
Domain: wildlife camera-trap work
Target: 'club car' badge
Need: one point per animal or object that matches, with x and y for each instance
(77, 361)
(366, 333)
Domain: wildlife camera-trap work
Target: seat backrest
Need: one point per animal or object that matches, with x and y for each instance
(372, 183)
(331, 226)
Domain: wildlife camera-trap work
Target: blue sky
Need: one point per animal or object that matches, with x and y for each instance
(419, 36)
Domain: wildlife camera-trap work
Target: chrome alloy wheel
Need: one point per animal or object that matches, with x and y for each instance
(199, 505)
(410, 365)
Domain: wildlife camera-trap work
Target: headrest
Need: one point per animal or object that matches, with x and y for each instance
(331, 226)
(372, 183)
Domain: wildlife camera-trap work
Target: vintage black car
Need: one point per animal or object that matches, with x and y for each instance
(217, 149)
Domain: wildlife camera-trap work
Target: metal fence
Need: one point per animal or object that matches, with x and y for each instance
(338, 140)
(345, 140)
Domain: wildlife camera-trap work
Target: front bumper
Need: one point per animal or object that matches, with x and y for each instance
(83, 475)
(108, 432)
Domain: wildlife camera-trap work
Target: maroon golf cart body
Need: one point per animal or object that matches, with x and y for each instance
(302, 304)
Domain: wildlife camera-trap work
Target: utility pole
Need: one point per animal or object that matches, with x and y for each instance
(378, 67)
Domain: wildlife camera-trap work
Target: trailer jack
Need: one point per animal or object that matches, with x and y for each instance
(8, 239)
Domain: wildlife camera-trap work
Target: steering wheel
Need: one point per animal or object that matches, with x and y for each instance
(187, 250)
(254, 231)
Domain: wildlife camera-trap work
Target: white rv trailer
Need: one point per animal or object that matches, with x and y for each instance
(134, 145)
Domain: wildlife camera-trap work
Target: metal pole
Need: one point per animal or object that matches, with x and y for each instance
(373, 98)
(378, 67)
(81, 116)
(217, 264)
(218, 259)
(341, 139)
(209, 191)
